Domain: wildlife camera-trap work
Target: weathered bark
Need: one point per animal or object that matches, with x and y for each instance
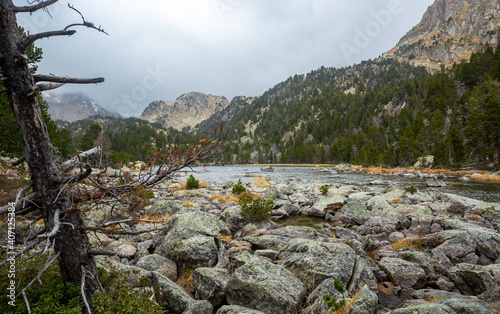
(45, 168)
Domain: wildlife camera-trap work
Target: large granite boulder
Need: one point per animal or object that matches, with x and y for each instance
(210, 284)
(155, 262)
(175, 300)
(315, 261)
(192, 239)
(403, 273)
(262, 285)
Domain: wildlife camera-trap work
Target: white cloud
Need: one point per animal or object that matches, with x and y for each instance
(223, 47)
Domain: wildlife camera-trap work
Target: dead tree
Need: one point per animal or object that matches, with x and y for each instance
(55, 195)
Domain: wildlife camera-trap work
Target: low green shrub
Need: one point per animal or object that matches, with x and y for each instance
(238, 188)
(49, 295)
(192, 183)
(333, 303)
(119, 297)
(257, 210)
(324, 189)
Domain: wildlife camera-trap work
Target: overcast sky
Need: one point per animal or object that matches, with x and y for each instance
(160, 49)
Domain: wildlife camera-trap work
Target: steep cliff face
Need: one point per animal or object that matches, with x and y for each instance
(186, 111)
(450, 31)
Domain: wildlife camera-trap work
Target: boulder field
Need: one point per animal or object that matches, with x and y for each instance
(393, 248)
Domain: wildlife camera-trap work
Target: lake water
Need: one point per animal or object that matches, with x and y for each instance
(488, 192)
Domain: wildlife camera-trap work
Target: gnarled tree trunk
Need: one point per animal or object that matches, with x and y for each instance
(45, 167)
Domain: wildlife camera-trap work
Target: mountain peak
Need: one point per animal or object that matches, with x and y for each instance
(450, 31)
(74, 106)
(186, 111)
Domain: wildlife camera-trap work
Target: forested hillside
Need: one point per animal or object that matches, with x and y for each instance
(123, 140)
(375, 113)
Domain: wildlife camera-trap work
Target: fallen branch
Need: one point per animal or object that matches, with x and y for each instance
(122, 232)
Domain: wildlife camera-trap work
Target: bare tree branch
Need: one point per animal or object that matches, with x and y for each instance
(84, 274)
(35, 7)
(66, 80)
(26, 301)
(50, 86)
(17, 162)
(122, 232)
(73, 162)
(101, 252)
(84, 23)
(32, 38)
(54, 230)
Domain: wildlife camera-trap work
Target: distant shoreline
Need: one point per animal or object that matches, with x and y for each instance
(476, 175)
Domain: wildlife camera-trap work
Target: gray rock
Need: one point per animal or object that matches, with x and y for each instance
(427, 308)
(161, 206)
(366, 303)
(262, 285)
(468, 306)
(326, 203)
(211, 284)
(420, 258)
(435, 183)
(126, 250)
(314, 261)
(236, 309)
(291, 209)
(471, 279)
(192, 239)
(491, 296)
(317, 298)
(268, 241)
(199, 307)
(403, 273)
(234, 219)
(428, 294)
(155, 262)
(172, 298)
(271, 193)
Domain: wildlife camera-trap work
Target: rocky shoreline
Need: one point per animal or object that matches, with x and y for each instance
(395, 250)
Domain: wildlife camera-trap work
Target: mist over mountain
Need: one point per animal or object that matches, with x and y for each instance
(74, 106)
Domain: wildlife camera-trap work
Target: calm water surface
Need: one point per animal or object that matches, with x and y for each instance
(488, 192)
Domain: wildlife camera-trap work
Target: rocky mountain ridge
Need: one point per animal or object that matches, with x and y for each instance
(186, 111)
(450, 31)
(74, 106)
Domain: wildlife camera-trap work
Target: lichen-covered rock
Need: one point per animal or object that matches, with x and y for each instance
(468, 306)
(366, 303)
(126, 250)
(234, 218)
(427, 294)
(471, 279)
(161, 206)
(267, 241)
(357, 209)
(262, 285)
(317, 298)
(403, 273)
(192, 239)
(155, 262)
(236, 309)
(175, 300)
(315, 261)
(211, 284)
(427, 308)
(326, 203)
(420, 258)
(199, 307)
